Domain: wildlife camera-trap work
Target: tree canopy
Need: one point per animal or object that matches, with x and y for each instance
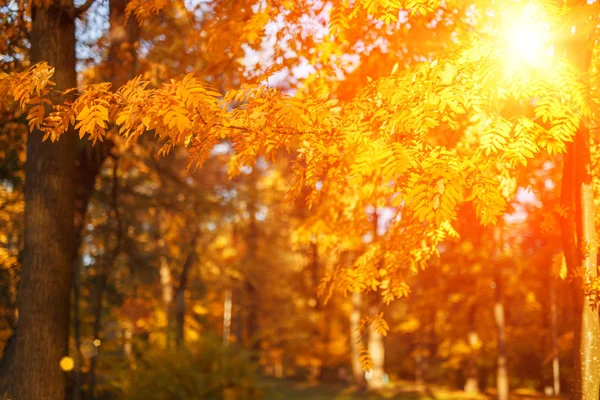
(405, 131)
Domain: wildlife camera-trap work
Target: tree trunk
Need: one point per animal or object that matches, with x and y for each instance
(76, 391)
(578, 233)
(128, 344)
(123, 35)
(88, 164)
(357, 372)
(590, 329)
(166, 285)
(578, 227)
(180, 293)
(319, 348)
(471, 372)
(375, 341)
(250, 320)
(96, 333)
(554, 330)
(501, 361)
(109, 259)
(227, 303)
(377, 350)
(122, 64)
(42, 334)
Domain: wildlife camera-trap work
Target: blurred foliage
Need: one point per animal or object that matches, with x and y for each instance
(204, 370)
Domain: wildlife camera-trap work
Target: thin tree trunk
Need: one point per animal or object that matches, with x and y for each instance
(76, 393)
(501, 361)
(180, 293)
(417, 341)
(357, 372)
(572, 258)
(590, 329)
(41, 338)
(471, 373)
(377, 350)
(96, 333)
(88, 164)
(227, 303)
(252, 339)
(166, 285)
(375, 342)
(554, 329)
(123, 33)
(419, 367)
(108, 262)
(317, 333)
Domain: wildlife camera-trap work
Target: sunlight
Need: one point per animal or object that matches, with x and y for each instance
(527, 38)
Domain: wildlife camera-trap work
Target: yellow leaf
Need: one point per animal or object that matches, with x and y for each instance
(440, 185)
(448, 74)
(436, 202)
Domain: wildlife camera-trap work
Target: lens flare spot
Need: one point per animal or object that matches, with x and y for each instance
(67, 363)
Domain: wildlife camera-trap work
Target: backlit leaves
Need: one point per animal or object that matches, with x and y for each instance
(366, 361)
(416, 143)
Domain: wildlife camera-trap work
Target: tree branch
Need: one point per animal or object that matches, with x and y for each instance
(83, 8)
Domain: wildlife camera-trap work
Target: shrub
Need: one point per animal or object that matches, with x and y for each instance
(204, 370)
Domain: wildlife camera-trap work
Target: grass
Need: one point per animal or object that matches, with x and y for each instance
(291, 390)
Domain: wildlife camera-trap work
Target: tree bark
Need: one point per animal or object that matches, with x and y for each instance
(377, 350)
(578, 226)
(578, 233)
(180, 293)
(108, 262)
(166, 285)
(554, 334)
(227, 305)
(76, 391)
(375, 342)
(41, 338)
(501, 361)
(250, 320)
(357, 372)
(318, 334)
(123, 33)
(96, 332)
(471, 372)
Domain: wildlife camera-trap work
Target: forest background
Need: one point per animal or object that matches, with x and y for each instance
(198, 194)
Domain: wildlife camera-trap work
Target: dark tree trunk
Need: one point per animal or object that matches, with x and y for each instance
(180, 293)
(122, 64)
(123, 36)
(108, 262)
(251, 328)
(88, 165)
(76, 382)
(96, 332)
(41, 338)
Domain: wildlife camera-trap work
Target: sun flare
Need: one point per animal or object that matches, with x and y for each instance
(527, 37)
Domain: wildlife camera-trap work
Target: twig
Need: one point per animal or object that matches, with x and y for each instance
(83, 8)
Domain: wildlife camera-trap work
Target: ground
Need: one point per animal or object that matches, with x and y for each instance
(291, 390)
